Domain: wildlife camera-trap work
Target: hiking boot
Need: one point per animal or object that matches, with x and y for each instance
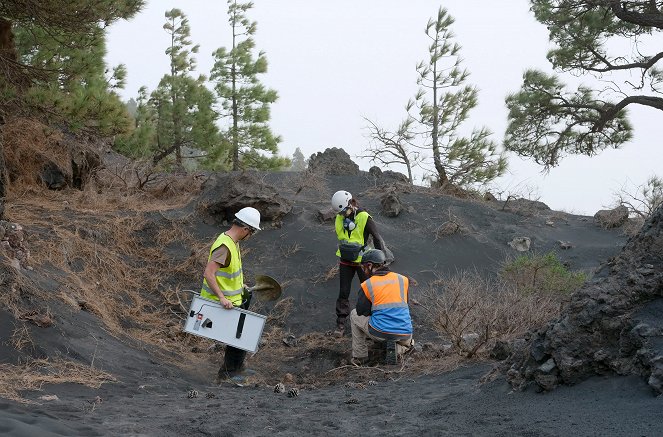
(390, 358)
(359, 361)
(340, 330)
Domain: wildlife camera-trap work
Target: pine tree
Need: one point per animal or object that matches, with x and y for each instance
(547, 119)
(244, 100)
(179, 113)
(440, 107)
(84, 91)
(298, 160)
(78, 23)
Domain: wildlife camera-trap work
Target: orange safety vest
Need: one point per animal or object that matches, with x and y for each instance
(388, 294)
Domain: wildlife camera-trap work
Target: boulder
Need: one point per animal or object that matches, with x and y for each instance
(613, 324)
(326, 215)
(332, 161)
(611, 218)
(12, 244)
(521, 244)
(226, 193)
(391, 205)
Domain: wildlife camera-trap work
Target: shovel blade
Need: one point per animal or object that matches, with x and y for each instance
(266, 288)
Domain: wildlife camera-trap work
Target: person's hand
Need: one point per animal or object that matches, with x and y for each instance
(226, 303)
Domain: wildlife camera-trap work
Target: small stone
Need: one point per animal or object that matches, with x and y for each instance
(548, 366)
(288, 378)
(565, 245)
(550, 223)
(521, 244)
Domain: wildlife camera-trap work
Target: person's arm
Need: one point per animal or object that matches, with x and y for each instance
(372, 229)
(220, 258)
(364, 306)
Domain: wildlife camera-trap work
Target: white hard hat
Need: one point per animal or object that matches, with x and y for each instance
(340, 200)
(250, 217)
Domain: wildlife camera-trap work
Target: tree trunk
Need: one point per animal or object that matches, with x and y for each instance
(3, 169)
(7, 56)
(437, 161)
(611, 326)
(233, 72)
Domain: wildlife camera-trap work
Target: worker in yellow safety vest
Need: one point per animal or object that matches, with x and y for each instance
(353, 226)
(382, 313)
(224, 279)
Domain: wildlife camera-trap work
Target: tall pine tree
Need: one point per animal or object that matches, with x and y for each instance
(244, 100)
(442, 105)
(179, 113)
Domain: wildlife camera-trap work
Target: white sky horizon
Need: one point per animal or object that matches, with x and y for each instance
(334, 63)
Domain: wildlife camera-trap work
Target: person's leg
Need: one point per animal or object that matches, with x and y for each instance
(345, 274)
(404, 345)
(233, 361)
(359, 326)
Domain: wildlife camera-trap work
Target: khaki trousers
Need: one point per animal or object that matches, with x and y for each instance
(360, 337)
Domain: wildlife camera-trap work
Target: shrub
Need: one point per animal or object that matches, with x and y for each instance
(473, 312)
(532, 273)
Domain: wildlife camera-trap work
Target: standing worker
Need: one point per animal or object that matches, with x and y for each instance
(224, 280)
(382, 312)
(353, 227)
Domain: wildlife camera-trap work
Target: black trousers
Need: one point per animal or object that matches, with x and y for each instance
(346, 273)
(233, 359)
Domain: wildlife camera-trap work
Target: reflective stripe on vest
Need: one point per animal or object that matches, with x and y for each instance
(389, 302)
(229, 279)
(354, 236)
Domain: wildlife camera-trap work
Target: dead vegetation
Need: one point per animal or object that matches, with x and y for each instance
(312, 181)
(100, 259)
(325, 276)
(35, 374)
(473, 312)
(453, 225)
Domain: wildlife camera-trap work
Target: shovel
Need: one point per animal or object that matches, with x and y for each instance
(266, 290)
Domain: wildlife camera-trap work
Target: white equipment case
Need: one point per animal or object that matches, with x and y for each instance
(235, 327)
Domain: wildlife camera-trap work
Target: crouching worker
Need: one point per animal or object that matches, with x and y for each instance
(382, 312)
(224, 280)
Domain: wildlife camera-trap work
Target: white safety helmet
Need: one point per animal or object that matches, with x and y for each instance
(250, 217)
(340, 200)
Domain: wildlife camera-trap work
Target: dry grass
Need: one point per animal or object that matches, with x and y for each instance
(107, 267)
(20, 338)
(290, 249)
(473, 312)
(326, 276)
(28, 145)
(33, 375)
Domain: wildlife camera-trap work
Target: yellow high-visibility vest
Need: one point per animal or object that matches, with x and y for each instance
(354, 236)
(229, 279)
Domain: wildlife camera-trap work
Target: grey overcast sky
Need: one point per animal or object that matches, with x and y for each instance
(335, 62)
